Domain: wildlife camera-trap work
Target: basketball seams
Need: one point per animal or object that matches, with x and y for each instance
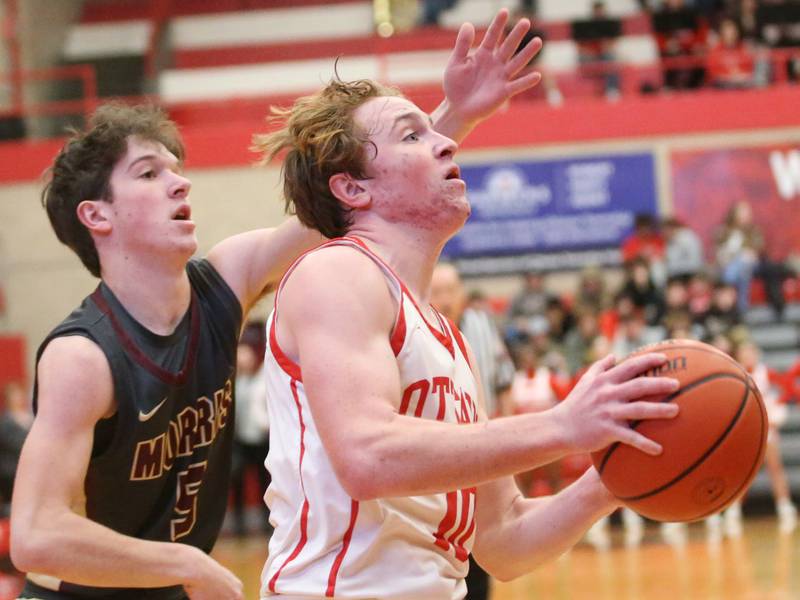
(753, 469)
(701, 459)
(686, 388)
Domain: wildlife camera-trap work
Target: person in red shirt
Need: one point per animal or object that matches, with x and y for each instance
(730, 63)
(647, 243)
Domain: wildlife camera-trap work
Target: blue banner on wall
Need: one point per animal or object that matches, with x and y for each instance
(577, 204)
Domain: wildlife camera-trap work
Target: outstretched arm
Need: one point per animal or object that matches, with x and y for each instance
(254, 261)
(476, 84)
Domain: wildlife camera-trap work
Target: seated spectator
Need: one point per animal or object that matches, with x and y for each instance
(594, 48)
(559, 321)
(609, 319)
(723, 314)
(633, 333)
(679, 325)
(531, 389)
(730, 63)
(741, 255)
(676, 296)
(591, 288)
(527, 305)
(432, 11)
(681, 34)
(578, 342)
(701, 291)
(746, 15)
(683, 252)
(647, 243)
(639, 286)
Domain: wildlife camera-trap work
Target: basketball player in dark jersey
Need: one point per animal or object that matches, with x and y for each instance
(123, 480)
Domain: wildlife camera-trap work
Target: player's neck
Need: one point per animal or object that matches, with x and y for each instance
(156, 295)
(410, 253)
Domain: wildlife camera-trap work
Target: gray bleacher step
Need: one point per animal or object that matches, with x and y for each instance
(775, 335)
(792, 423)
(759, 315)
(792, 312)
(761, 485)
(780, 360)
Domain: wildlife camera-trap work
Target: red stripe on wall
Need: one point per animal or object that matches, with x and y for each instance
(224, 140)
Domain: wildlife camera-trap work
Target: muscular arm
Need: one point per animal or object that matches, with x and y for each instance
(251, 262)
(49, 535)
(352, 381)
(516, 534)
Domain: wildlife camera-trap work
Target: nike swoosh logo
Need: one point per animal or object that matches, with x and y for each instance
(145, 416)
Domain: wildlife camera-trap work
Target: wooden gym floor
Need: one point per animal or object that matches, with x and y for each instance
(761, 565)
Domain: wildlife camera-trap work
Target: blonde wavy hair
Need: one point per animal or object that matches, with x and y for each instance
(320, 138)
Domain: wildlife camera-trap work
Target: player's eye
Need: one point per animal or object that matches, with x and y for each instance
(149, 174)
(411, 137)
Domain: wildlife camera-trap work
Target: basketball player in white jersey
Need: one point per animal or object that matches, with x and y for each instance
(143, 240)
(386, 472)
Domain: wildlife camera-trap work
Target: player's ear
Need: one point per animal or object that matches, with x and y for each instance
(349, 190)
(94, 216)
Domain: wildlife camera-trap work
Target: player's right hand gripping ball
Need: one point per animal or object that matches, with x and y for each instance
(712, 449)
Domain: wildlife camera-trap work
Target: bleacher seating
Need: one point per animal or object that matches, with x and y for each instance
(240, 49)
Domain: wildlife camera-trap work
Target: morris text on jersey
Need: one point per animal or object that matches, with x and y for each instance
(194, 427)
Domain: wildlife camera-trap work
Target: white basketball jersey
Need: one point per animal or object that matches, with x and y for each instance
(326, 544)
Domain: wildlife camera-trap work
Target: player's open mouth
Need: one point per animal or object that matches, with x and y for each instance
(184, 213)
(454, 173)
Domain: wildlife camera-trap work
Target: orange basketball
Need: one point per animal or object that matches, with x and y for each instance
(712, 449)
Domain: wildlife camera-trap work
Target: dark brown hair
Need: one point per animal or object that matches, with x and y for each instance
(82, 169)
(321, 139)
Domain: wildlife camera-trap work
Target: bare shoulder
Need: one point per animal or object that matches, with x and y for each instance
(341, 280)
(74, 380)
(339, 268)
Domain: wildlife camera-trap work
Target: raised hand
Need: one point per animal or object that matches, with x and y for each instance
(599, 409)
(476, 84)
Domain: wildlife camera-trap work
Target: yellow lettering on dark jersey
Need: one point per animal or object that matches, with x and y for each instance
(148, 460)
(194, 427)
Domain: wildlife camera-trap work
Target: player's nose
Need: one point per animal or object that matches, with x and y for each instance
(180, 186)
(445, 147)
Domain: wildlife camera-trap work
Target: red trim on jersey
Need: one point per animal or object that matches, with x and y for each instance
(461, 345)
(447, 522)
(345, 545)
(304, 512)
(140, 357)
(443, 337)
(468, 497)
(291, 368)
(399, 331)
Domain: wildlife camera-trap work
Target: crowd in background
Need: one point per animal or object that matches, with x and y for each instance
(727, 44)
(669, 289)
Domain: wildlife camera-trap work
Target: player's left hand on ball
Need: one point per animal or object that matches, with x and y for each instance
(598, 410)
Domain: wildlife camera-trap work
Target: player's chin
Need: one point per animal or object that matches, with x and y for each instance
(187, 244)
